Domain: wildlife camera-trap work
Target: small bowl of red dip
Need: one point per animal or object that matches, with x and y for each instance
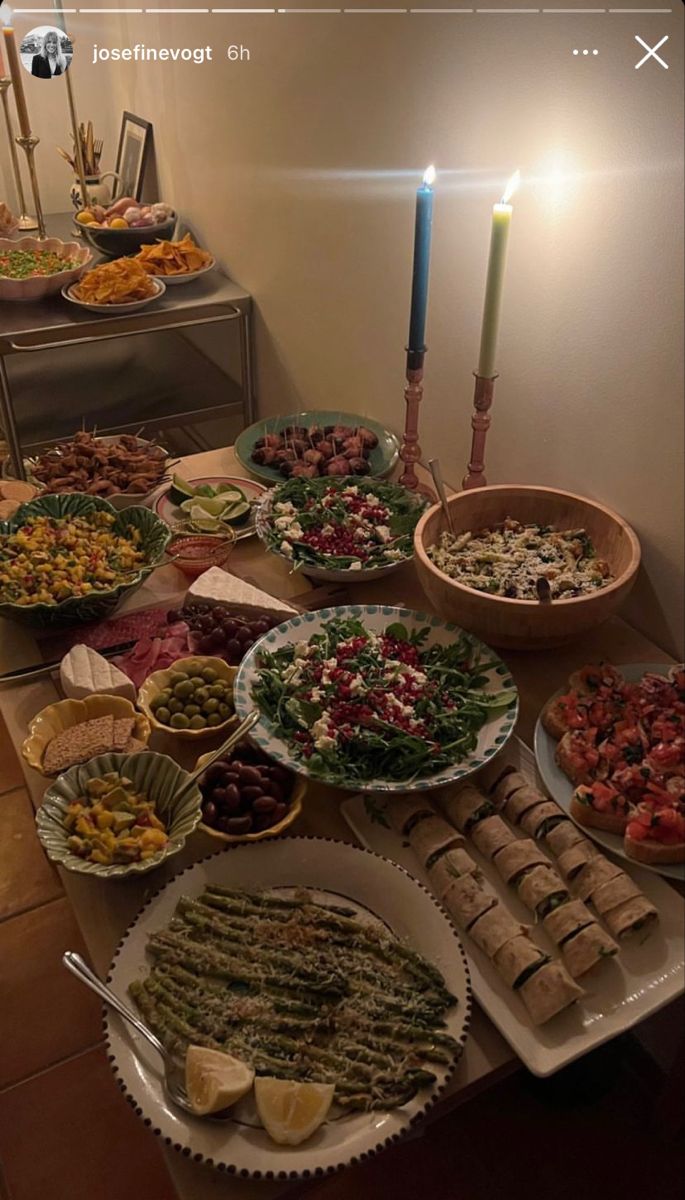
(195, 553)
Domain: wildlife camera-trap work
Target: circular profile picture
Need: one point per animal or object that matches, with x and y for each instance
(46, 51)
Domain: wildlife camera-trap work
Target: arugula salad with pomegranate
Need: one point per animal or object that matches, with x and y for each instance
(342, 523)
(356, 704)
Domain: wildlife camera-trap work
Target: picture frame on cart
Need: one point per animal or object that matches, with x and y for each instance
(135, 143)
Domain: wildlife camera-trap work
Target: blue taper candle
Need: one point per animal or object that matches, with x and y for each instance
(422, 253)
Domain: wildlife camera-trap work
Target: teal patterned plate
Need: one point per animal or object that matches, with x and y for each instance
(155, 774)
(80, 610)
(491, 738)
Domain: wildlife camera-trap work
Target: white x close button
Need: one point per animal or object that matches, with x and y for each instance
(651, 53)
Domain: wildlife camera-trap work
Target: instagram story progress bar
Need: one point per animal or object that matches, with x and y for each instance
(489, 11)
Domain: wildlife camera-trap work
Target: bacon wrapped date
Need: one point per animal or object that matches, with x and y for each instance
(318, 450)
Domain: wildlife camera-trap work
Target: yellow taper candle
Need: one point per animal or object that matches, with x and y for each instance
(501, 220)
(15, 75)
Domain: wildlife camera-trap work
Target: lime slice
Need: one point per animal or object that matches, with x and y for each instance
(205, 489)
(210, 506)
(214, 1080)
(236, 514)
(203, 521)
(180, 490)
(225, 488)
(290, 1111)
(232, 497)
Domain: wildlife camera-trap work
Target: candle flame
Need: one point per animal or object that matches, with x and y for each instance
(511, 187)
(429, 176)
(6, 15)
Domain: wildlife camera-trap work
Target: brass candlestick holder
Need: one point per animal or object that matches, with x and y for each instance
(410, 451)
(28, 145)
(78, 149)
(483, 395)
(25, 221)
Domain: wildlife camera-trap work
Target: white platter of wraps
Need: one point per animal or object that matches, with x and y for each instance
(567, 946)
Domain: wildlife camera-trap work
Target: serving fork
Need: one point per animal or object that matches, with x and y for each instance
(174, 1074)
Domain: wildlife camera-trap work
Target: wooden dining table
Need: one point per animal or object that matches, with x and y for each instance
(104, 910)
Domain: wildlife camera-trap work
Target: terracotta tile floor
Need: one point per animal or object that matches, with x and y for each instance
(66, 1133)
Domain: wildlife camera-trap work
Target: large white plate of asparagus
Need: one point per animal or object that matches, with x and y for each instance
(309, 959)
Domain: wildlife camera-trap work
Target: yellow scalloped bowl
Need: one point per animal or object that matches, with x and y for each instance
(158, 680)
(64, 714)
(296, 798)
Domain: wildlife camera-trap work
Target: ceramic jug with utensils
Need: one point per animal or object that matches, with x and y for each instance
(97, 190)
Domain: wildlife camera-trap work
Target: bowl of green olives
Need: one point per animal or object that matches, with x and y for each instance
(191, 699)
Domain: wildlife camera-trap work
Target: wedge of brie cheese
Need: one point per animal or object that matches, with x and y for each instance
(83, 672)
(218, 587)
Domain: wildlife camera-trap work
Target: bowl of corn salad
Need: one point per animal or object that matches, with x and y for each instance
(31, 269)
(70, 559)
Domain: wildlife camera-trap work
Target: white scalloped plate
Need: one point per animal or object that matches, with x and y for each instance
(382, 892)
(491, 737)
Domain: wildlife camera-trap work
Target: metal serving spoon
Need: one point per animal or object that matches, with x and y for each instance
(434, 466)
(231, 741)
(174, 1075)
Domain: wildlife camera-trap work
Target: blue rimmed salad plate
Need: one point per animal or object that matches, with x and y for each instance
(377, 698)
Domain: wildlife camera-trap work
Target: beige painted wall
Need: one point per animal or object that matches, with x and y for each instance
(298, 168)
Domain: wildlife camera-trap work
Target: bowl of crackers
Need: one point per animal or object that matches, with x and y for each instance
(14, 493)
(121, 286)
(70, 732)
(176, 262)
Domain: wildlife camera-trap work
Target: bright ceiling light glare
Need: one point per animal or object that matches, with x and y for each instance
(429, 176)
(555, 180)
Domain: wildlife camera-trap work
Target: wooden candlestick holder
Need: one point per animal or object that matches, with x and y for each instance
(410, 451)
(483, 395)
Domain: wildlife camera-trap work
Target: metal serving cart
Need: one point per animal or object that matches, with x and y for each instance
(133, 371)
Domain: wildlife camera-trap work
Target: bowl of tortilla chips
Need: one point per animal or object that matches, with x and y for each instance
(175, 262)
(121, 286)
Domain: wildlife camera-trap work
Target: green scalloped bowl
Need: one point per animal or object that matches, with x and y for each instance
(80, 610)
(156, 774)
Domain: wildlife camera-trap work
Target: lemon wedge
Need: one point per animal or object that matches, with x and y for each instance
(215, 1080)
(290, 1111)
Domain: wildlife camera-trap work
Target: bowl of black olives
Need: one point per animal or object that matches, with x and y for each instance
(246, 796)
